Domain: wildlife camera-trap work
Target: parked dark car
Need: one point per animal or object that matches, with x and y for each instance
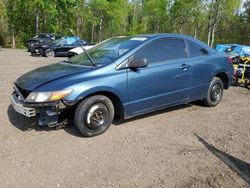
(42, 39)
(123, 77)
(59, 47)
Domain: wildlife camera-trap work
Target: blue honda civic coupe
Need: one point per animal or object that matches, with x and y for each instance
(123, 77)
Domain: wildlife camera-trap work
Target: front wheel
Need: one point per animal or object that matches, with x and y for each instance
(215, 92)
(49, 53)
(94, 115)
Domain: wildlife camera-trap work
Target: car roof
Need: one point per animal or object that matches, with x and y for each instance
(181, 36)
(152, 36)
(172, 35)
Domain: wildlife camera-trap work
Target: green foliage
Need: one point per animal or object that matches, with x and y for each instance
(96, 20)
(156, 13)
(3, 22)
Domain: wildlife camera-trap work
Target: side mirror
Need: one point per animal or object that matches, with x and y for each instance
(138, 63)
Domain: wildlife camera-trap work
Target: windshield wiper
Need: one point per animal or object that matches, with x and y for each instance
(84, 50)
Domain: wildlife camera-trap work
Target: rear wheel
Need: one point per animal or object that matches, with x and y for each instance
(215, 92)
(94, 115)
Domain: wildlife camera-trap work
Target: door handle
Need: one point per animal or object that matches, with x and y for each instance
(184, 66)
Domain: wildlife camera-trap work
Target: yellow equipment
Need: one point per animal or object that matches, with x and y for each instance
(242, 72)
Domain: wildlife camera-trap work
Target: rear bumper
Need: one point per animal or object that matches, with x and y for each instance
(18, 107)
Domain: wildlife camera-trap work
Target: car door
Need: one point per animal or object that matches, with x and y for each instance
(202, 69)
(58, 49)
(63, 49)
(166, 79)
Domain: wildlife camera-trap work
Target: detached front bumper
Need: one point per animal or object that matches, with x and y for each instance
(18, 106)
(46, 114)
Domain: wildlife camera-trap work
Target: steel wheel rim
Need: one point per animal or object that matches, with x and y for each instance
(50, 53)
(216, 93)
(96, 116)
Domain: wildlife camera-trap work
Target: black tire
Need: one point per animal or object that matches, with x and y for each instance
(94, 115)
(214, 93)
(49, 53)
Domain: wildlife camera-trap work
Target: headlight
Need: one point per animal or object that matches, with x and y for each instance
(44, 46)
(47, 96)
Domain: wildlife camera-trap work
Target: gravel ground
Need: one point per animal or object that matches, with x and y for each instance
(186, 146)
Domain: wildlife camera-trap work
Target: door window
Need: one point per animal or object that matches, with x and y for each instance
(196, 50)
(163, 50)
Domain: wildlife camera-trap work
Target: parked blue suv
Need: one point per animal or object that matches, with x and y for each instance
(123, 77)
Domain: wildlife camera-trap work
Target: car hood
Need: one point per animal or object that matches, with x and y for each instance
(43, 75)
(37, 39)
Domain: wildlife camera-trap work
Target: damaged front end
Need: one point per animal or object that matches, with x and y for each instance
(49, 107)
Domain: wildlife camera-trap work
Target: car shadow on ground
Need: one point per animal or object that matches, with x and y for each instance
(158, 112)
(240, 167)
(26, 124)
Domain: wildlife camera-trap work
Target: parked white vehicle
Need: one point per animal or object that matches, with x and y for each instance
(78, 50)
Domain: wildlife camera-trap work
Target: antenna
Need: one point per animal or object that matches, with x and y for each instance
(84, 50)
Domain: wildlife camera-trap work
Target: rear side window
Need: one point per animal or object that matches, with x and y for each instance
(163, 50)
(196, 50)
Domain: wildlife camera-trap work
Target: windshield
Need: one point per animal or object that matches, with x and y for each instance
(65, 41)
(108, 51)
(58, 41)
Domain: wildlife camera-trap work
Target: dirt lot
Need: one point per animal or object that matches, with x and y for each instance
(186, 146)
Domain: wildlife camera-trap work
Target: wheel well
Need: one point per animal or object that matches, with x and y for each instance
(223, 76)
(119, 110)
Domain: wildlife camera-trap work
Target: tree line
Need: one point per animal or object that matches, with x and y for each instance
(212, 21)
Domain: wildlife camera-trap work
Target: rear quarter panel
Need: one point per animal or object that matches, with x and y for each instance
(204, 69)
(225, 66)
